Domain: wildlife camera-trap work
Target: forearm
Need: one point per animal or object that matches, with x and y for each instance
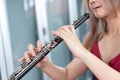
(101, 70)
(55, 72)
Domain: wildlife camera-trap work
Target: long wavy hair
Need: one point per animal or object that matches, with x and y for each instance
(98, 27)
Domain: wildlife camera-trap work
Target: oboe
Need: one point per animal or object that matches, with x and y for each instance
(25, 67)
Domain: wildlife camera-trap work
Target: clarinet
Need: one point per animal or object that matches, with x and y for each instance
(25, 67)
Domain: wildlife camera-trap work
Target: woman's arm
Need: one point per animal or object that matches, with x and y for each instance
(101, 70)
(70, 72)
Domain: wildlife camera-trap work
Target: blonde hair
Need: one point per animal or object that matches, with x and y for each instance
(98, 27)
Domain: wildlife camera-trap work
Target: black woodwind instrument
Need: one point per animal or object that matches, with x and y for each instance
(25, 67)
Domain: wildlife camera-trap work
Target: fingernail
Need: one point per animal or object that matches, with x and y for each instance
(19, 60)
(53, 31)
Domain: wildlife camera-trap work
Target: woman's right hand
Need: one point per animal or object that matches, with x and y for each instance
(32, 52)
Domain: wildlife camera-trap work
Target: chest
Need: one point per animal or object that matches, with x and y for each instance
(109, 49)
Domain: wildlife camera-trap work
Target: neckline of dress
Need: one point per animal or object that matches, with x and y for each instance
(101, 56)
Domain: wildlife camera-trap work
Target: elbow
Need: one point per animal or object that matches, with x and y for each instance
(64, 76)
(68, 76)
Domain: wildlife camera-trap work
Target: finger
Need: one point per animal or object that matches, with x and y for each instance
(72, 28)
(21, 59)
(66, 29)
(35, 50)
(64, 33)
(59, 33)
(31, 48)
(44, 60)
(54, 33)
(27, 56)
(39, 45)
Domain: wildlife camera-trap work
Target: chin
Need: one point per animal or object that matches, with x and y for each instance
(100, 16)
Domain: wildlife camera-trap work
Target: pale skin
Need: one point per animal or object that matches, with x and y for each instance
(109, 47)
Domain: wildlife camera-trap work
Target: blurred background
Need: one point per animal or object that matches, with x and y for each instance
(25, 21)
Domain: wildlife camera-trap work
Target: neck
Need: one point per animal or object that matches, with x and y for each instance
(113, 24)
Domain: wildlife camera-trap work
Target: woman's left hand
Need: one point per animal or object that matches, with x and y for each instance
(68, 34)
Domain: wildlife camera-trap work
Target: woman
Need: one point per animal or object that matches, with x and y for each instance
(100, 51)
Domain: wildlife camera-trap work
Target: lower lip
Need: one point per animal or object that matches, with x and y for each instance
(96, 8)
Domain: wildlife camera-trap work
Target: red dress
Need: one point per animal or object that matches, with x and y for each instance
(114, 63)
